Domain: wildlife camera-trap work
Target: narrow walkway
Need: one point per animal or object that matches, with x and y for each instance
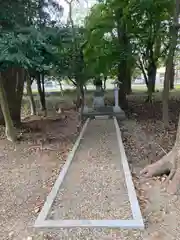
(94, 186)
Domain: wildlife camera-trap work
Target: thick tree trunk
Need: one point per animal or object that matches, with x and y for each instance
(128, 81)
(41, 91)
(151, 81)
(30, 95)
(10, 130)
(13, 82)
(169, 164)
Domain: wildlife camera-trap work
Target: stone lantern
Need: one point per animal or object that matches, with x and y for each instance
(116, 108)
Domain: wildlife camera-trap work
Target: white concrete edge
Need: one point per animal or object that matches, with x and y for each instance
(136, 223)
(57, 224)
(52, 195)
(137, 216)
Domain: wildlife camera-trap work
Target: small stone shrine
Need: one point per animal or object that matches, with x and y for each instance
(100, 109)
(98, 99)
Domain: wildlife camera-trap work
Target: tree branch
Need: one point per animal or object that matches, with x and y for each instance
(75, 84)
(141, 67)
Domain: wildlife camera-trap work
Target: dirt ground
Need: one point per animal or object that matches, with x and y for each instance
(143, 133)
(29, 169)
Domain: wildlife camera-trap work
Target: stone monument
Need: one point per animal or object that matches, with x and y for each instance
(98, 99)
(98, 106)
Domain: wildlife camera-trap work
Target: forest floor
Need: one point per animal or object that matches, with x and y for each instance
(145, 142)
(29, 169)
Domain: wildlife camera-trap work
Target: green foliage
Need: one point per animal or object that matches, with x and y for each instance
(114, 31)
(28, 37)
(27, 49)
(100, 51)
(143, 33)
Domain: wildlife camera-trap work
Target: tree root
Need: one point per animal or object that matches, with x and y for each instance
(173, 186)
(166, 165)
(160, 167)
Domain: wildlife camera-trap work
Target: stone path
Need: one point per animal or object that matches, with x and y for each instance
(94, 186)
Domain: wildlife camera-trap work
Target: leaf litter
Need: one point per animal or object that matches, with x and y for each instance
(149, 141)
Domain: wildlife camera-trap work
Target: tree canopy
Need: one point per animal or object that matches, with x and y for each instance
(117, 38)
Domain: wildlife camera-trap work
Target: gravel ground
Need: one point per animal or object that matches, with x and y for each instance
(27, 175)
(94, 187)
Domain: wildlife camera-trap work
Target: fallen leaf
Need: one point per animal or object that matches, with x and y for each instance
(37, 210)
(11, 234)
(29, 238)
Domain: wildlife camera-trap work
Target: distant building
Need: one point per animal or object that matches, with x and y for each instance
(159, 77)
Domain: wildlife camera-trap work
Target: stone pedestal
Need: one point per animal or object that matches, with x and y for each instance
(99, 108)
(116, 109)
(85, 109)
(98, 99)
(116, 96)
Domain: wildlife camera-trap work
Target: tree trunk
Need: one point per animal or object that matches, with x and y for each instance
(41, 91)
(13, 82)
(154, 78)
(122, 65)
(151, 81)
(30, 95)
(82, 102)
(141, 66)
(165, 98)
(44, 95)
(170, 163)
(61, 88)
(78, 98)
(172, 77)
(173, 33)
(122, 87)
(128, 81)
(104, 83)
(146, 79)
(10, 130)
(85, 88)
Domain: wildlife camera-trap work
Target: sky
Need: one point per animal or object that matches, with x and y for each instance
(65, 6)
(80, 9)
